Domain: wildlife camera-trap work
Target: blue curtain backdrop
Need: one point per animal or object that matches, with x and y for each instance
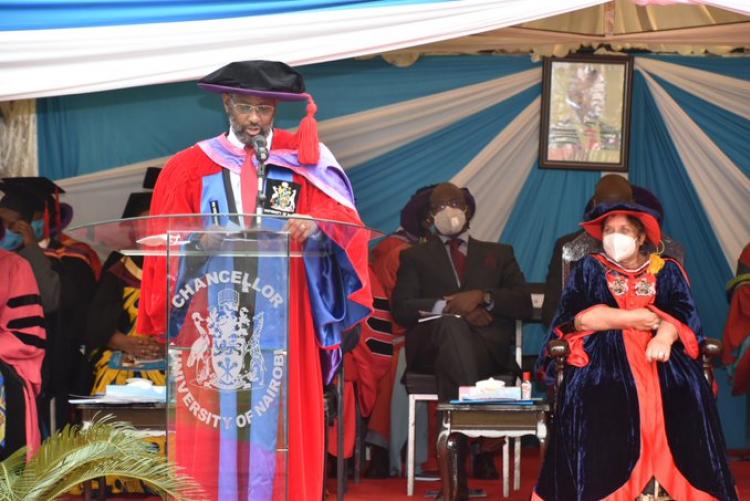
(654, 163)
(87, 133)
(728, 130)
(93, 132)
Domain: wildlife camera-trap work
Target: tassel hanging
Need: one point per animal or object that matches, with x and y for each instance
(58, 213)
(308, 149)
(46, 221)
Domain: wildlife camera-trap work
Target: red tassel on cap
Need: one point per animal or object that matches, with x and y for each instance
(308, 149)
(46, 221)
(58, 214)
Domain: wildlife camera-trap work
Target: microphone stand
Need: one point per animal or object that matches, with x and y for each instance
(261, 154)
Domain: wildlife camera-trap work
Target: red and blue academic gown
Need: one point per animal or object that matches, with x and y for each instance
(382, 335)
(22, 345)
(327, 297)
(623, 420)
(736, 340)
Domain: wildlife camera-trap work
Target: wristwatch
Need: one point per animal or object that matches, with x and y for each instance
(487, 299)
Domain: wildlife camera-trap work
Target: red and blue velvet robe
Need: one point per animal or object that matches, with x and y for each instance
(326, 298)
(621, 419)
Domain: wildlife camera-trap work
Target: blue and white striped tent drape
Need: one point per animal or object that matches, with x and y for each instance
(475, 120)
(61, 47)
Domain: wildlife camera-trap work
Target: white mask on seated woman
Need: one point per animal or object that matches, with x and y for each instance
(619, 246)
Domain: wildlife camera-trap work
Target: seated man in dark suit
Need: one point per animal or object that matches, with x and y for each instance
(479, 288)
(478, 283)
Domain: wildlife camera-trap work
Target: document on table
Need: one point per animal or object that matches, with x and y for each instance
(426, 316)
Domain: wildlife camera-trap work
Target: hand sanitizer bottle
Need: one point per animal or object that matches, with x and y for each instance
(526, 386)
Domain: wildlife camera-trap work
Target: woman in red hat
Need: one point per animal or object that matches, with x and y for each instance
(634, 405)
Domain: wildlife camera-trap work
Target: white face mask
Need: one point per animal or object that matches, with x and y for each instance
(450, 221)
(619, 246)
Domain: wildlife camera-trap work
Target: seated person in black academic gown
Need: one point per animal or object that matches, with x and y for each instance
(110, 325)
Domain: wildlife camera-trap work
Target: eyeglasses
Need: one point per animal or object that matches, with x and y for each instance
(455, 203)
(263, 110)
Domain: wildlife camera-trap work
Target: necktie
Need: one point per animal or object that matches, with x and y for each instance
(249, 184)
(458, 258)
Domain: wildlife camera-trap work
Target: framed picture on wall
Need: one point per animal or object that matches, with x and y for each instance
(586, 113)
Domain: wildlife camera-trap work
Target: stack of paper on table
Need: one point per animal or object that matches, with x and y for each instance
(136, 391)
(489, 389)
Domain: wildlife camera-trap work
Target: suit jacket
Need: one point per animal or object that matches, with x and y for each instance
(426, 275)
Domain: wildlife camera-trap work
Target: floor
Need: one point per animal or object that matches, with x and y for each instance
(394, 489)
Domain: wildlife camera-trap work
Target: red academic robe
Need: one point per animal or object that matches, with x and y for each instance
(179, 191)
(22, 335)
(384, 336)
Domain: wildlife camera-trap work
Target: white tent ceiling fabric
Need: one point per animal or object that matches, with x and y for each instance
(739, 6)
(723, 188)
(36, 63)
(714, 39)
(618, 24)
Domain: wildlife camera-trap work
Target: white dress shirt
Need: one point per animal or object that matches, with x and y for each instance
(234, 177)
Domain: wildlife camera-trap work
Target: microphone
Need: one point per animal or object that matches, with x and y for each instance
(261, 153)
(260, 147)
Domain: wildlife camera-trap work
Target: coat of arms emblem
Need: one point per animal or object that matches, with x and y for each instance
(227, 353)
(284, 198)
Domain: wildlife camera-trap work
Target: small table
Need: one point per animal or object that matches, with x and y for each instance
(487, 420)
(142, 416)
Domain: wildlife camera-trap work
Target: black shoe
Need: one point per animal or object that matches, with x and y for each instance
(484, 466)
(379, 463)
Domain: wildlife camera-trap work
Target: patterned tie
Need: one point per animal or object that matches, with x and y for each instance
(458, 257)
(249, 184)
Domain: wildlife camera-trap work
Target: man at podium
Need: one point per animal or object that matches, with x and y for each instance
(219, 176)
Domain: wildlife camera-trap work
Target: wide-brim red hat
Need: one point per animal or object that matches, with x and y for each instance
(648, 217)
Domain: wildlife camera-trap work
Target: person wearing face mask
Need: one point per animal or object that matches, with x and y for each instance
(610, 188)
(634, 404)
(66, 281)
(22, 345)
(476, 287)
(22, 236)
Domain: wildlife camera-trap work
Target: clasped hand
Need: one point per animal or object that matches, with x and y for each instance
(643, 319)
(659, 348)
(299, 231)
(462, 303)
(145, 347)
(468, 304)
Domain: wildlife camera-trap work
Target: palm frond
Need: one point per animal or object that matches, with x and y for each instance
(10, 469)
(74, 455)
